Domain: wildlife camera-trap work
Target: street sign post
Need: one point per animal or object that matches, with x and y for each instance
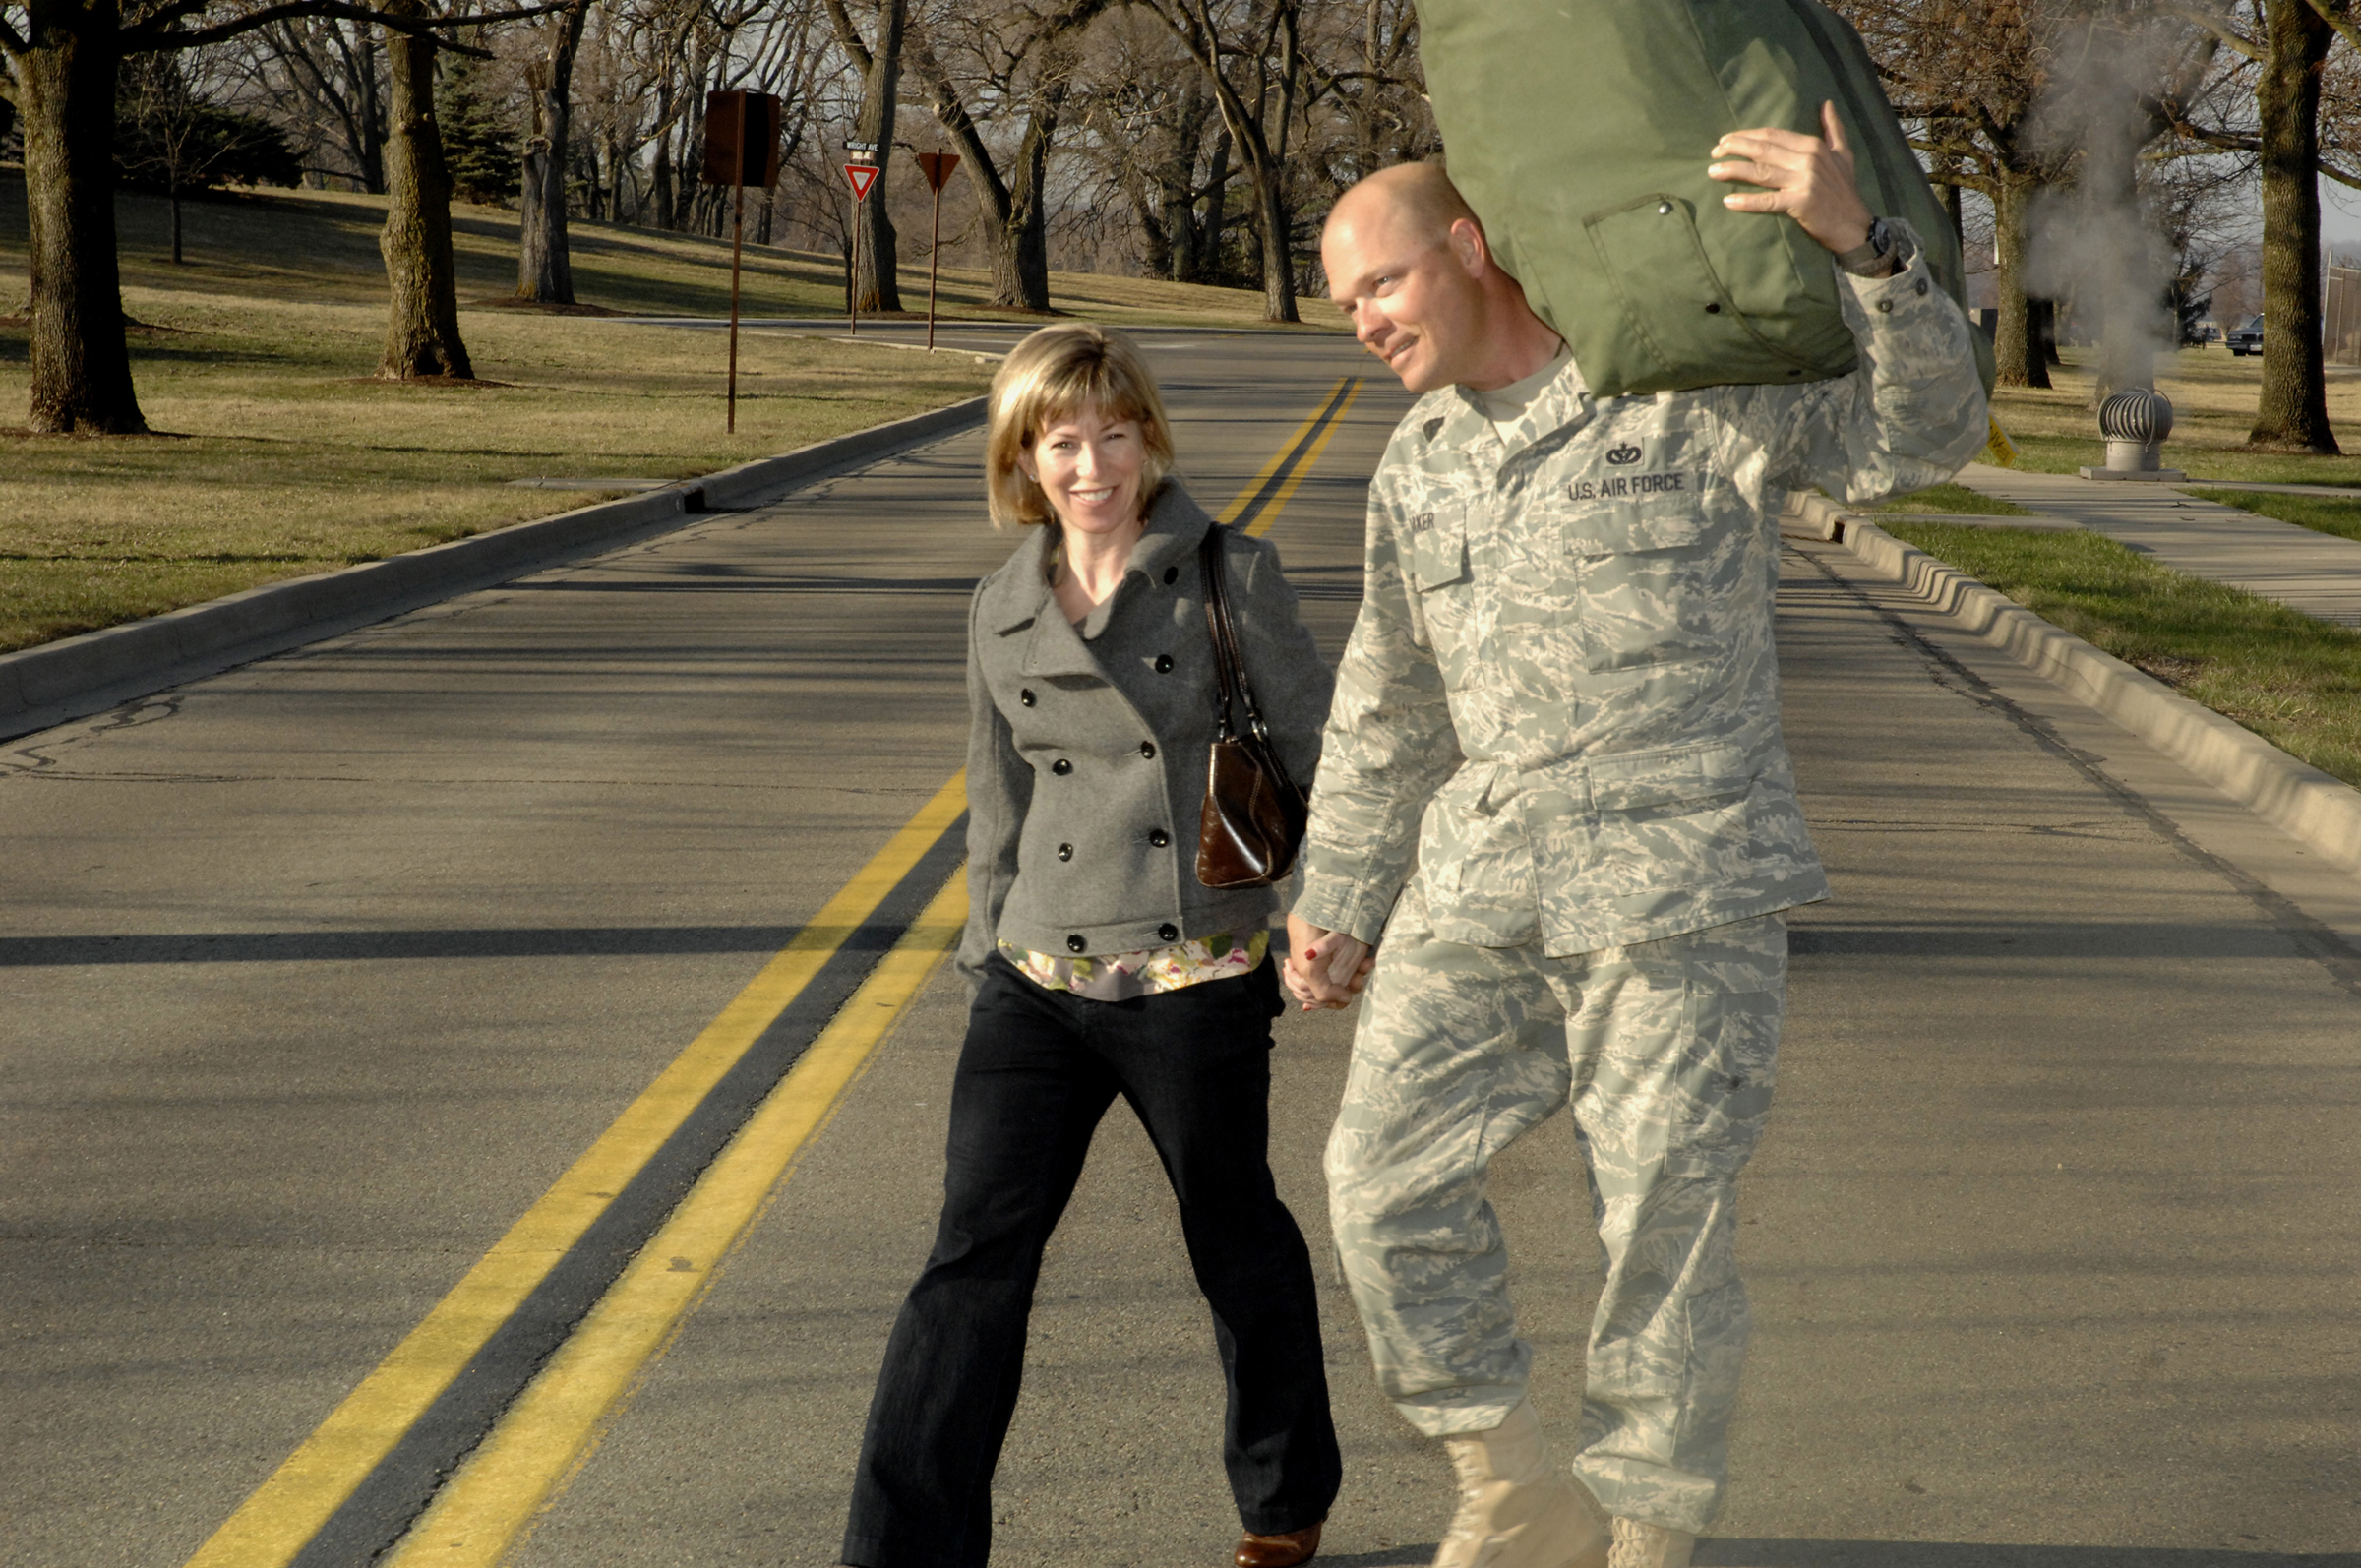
(937, 168)
(742, 148)
(860, 174)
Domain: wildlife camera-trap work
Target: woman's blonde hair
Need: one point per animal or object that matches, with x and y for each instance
(1053, 376)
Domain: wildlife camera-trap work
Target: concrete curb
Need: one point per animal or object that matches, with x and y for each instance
(75, 676)
(2315, 807)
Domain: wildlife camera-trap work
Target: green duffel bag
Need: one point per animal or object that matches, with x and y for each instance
(1580, 131)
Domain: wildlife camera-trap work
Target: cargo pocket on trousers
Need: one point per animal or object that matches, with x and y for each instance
(1675, 304)
(1724, 1095)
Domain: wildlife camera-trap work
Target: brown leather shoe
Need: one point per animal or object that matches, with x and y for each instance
(1278, 1551)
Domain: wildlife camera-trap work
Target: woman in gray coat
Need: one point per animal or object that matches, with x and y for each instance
(1101, 966)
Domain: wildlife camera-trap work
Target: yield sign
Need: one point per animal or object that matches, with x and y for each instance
(862, 176)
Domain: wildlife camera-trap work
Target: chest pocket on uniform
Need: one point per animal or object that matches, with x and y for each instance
(1435, 549)
(1645, 596)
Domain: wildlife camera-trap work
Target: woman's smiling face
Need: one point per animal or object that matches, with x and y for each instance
(1088, 465)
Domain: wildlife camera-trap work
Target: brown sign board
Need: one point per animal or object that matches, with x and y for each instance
(742, 139)
(937, 168)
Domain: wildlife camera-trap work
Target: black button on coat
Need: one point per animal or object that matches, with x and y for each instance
(1096, 692)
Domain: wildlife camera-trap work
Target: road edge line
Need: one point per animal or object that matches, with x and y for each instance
(554, 1428)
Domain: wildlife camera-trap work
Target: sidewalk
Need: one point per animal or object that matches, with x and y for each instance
(2315, 573)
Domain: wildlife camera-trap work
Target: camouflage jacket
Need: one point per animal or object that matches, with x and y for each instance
(1562, 689)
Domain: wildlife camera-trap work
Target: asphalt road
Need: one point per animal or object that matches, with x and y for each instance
(319, 974)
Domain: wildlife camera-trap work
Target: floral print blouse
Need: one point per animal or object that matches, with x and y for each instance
(1118, 977)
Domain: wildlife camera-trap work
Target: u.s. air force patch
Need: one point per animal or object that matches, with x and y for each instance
(1626, 487)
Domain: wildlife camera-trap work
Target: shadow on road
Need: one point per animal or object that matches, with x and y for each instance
(1985, 1554)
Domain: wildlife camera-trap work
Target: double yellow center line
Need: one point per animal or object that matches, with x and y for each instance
(536, 1350)
(363, 1475)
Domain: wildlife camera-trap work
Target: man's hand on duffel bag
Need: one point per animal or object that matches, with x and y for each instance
(1807, 177)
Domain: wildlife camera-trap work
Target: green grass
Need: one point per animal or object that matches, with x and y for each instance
(280, 456)
(285, 458)
(321, 247)
(1955, 499)
(2292, 680)
(2213, 396)
(2336, 515)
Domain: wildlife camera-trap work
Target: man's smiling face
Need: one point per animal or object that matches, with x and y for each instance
(1414, 298)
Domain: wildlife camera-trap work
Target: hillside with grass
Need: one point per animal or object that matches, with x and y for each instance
(277, 453)
(2213, 396)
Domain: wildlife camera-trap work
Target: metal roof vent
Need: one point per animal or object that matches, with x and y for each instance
(2135, 423)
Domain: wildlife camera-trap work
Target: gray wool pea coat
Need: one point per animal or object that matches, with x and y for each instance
(1088, 743)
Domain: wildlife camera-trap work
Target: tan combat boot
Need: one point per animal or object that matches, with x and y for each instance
(1639, 1544)
(1517, 1509)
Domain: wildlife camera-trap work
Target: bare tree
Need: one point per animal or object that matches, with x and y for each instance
(1157, 149)
(2293, 408)
(2289, 43)
(321, 79)
(1023, 61)
(1248, 51)
(171, 131)
(422, 326)
(544, 264)
(1973, 75)
(63, 65)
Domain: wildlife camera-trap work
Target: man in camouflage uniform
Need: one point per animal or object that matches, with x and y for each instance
(1562, 693)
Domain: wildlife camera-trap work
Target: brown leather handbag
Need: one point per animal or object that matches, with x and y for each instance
(1254, 815)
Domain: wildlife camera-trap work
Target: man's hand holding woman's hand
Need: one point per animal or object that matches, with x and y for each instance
(1324, 967)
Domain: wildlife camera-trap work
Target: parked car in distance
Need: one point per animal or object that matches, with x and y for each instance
(2247, 339)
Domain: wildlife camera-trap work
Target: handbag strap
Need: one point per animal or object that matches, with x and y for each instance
(1230, 670)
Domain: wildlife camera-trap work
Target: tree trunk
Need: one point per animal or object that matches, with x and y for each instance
(422, 332)
(1278, 264)
(2293, 411)
(544, 269)
(2016, 338)
(371, 146)
(65, 85)
(879, 284)
(173, 191)
(1263, 168)
(1020, 262)
(1205, 244)
(661, 165)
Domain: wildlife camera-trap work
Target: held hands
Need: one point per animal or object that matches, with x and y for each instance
(1809, 179)
(1324, 967)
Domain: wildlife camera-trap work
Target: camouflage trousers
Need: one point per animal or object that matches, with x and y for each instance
(1664, 1050)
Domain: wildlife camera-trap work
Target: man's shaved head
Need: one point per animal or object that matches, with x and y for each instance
(1420, 196)
(1407, 260)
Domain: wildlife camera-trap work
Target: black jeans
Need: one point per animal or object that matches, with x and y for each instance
(1038, 1071)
